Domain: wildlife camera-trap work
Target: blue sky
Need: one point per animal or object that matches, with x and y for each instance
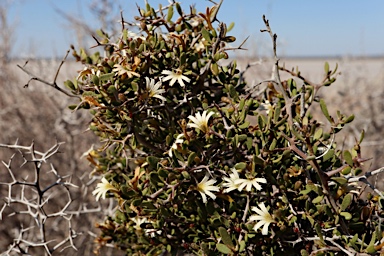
(304, 28)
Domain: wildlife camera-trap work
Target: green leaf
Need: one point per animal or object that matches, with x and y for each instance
(95, 80)
(324, 109)
(348, 157)
(311, 220)
(206, 35)
(69, 84)
(371, 249)
(183, 58)
(105, 77)
(335, 70)
(346, 170)
(357, 171)
(257, 160)
(235, 140)
(163, 173)
(170, 13)
(191, 158)
(326, 67)
(230, 27)
(349, 119)
(136, 202)
(273, 145)
(225, 237)
(346, 215)
(215, 69)
(276, 114)
(242, 246)
(223, 249)
(340, 180)
(240, 166)
(318, 231)
(152, 161)
(318, 134)
(373, 239)
(346, 202)
(242, 137)
(354, 239)
(249, 143)
(241, 104)
(317, 199)
(154, 178)
(178, 8)
(229, 39)
(72, 107)
(329, 155)
(362, 136)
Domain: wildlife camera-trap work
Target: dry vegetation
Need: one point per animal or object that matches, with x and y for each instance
(37, 115)
(40, 114)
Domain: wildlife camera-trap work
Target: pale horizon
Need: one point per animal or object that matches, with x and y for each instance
(305, 29)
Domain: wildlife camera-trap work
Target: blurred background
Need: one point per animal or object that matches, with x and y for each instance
(346, 32)
(46, 28)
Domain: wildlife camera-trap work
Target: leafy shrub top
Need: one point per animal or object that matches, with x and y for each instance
(198, 160)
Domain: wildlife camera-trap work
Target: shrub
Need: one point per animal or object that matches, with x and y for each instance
(200, 162)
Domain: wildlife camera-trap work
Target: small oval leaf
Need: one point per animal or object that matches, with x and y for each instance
(346, 202)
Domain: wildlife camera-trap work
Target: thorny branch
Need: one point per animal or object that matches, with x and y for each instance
(34, 201)
(54, 83)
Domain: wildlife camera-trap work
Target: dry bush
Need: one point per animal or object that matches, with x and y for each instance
(38, 113)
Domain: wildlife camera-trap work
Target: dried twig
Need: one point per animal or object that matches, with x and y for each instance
(54, 83)
(34, 205)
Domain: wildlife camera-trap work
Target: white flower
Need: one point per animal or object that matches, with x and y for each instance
(205, 187)
(262, 217)
(152, 232)
(178, 140)
(266, 106)
(153, 89)
(248, 183)
(140, 220)
(230, 182)
(133, 35)
(123, 71)
(200, 121)
(200, 46)
(178, 76)
(102, 189)
(195, 21)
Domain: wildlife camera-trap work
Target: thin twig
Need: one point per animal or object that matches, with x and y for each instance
(54, 83)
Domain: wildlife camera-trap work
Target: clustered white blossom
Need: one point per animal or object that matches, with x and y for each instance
(262, 217)
(232, 183)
